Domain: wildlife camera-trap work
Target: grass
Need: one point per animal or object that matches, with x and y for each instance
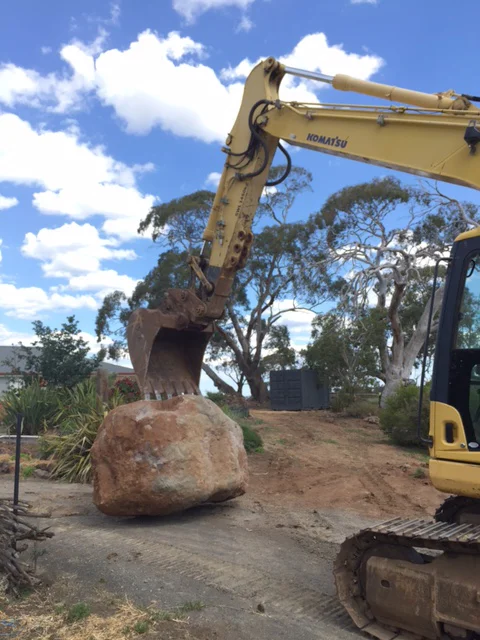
(282, 441)
(27, 472)
(142, 626)
(178, 613)
(330, 441)
(102, 618)
(77, 612)
(419, 473)
(251, 439)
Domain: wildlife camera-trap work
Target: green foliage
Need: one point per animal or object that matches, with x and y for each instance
(344, 351)
(59, 356)
(181, 219)
(27, 472)
(252, 441)
(142, 626)
(282, 355)
(361, 409)
(78, 612)
(78, 420)
(38, 405)
(399, 417)
(217, 397)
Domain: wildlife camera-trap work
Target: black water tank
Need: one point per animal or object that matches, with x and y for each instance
(297, 390)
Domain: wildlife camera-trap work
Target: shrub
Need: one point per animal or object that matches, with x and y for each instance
(252, 440)
(78, 421)
(399, 417)
(128, 389)
(217, 397)
(361, 409)
(38, 405)
(341, 400)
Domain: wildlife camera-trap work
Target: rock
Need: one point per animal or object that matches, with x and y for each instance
(6, 467)
(41, 473)
(372, 420)
(154, 458)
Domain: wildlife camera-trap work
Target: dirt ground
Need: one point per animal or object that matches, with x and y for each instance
(261, 565)
(320, 460)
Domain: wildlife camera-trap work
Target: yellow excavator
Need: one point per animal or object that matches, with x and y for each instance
(405, 578)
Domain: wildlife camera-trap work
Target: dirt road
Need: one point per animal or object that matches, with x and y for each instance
(272, 550)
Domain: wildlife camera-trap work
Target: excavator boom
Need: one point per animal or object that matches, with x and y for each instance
(435, 137)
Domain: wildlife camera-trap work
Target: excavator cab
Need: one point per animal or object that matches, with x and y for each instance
(455, 394)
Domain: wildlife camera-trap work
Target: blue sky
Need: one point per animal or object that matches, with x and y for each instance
(106, 108)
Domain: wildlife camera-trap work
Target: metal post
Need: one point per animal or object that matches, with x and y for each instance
(16, 484)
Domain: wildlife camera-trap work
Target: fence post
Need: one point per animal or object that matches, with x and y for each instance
(18, 448)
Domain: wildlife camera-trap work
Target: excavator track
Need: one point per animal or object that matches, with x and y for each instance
(407, 579)
(459, 509)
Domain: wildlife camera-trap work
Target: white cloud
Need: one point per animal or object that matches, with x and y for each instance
(314, 53)
(9, 337)
(133, 82)
(103, 282)
(77, 179)
(213, 179)
(46, 50)
(364, 1)
(72, 250)
(7, 203)
(29, 302)
(198, 103)
(191, 9)
(245, 25)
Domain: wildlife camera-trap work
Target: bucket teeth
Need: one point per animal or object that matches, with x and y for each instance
(167, 360)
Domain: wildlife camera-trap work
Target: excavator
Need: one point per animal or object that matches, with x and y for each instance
(404, 578)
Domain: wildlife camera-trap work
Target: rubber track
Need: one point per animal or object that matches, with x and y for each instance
(418, 534)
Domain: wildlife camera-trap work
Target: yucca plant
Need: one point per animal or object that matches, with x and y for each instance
(77, 421)
(37, 404)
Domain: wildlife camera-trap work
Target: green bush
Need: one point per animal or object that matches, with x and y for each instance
(361, 409)
(252, 441)
(78, 421)
(217, 397)
(399, 417)
(341, 400)
(38, 405)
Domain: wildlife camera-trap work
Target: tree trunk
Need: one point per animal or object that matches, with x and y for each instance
(221, 385)
(391, 385)
(258, 388)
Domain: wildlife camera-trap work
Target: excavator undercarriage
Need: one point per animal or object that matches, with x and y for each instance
(407, 579)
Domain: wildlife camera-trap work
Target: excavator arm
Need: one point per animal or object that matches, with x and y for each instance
(429, 135)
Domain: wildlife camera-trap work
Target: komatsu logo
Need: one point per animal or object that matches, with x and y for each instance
(332, 142)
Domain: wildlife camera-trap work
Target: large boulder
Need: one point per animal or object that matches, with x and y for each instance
(157, 457)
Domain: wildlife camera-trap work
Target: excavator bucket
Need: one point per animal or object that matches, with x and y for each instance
(167, 359)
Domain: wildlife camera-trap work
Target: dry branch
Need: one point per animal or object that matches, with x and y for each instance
(14, 527)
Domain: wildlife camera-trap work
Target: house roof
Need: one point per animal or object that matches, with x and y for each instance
(13, 354)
